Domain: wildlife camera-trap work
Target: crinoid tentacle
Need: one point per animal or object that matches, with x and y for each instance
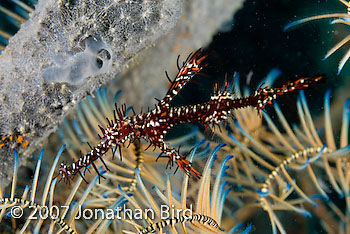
(138, 166)
(201, 216)
(304, 160)
(26, 203)
(336, 18)
(37, 199)
(204, 219)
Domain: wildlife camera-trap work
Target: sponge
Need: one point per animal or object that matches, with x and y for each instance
(96, 59)
(66, 50)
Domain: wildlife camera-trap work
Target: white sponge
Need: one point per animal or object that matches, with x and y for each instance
(94, 60)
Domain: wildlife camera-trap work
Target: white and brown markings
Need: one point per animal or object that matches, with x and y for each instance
(154, 124)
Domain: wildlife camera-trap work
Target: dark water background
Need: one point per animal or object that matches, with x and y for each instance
(256, 42)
